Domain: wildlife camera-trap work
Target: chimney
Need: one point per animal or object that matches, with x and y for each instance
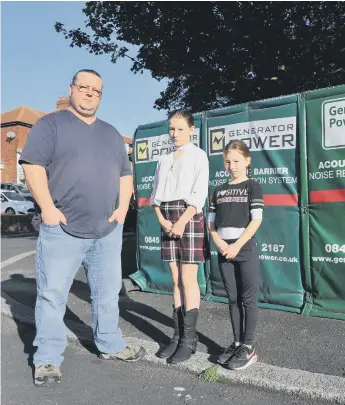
(62, 103)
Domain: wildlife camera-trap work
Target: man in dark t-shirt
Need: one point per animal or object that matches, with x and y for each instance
(77, 169)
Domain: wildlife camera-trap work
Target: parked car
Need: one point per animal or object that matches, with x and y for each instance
(12, 203)
(19, 189)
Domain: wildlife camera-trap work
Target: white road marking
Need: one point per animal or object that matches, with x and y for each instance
(16, 258)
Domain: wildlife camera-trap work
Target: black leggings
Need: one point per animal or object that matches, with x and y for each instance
(241, 281)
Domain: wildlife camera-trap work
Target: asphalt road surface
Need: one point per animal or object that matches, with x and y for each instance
(88, 380)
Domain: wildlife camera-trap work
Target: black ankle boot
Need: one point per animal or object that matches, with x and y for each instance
(188, 343)
(178, 326)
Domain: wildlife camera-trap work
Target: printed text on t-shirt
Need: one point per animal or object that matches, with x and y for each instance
(232, 191)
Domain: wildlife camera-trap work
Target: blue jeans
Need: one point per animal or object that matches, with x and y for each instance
(58, 257)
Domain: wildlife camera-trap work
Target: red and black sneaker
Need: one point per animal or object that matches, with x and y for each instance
(243, 358)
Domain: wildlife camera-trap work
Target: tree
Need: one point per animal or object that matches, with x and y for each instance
(215, 54)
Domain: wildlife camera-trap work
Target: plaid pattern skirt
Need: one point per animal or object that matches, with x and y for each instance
(191, 247)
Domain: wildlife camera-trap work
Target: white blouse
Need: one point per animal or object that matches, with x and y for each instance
(185, 179)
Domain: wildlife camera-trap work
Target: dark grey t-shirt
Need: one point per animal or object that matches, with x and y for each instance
(84, 164)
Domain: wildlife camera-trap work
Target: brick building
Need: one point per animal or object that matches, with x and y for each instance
(15, 126)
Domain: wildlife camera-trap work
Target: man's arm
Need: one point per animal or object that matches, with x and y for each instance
(126, 184)
(37, 155)
(126, 191)
(36, 179)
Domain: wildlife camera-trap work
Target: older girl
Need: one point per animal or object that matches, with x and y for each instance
(179, 194)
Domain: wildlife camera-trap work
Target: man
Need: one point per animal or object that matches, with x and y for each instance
(77, 169)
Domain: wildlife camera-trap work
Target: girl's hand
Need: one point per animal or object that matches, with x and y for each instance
(222, 247)
(166, 225)
(232, 251)
(177, 229)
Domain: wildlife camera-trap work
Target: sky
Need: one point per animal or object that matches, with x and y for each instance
(37, 65)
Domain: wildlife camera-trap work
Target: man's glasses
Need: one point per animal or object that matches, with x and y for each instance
(84, 89)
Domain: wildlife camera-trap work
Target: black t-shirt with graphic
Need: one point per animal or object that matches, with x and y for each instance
(232, 203)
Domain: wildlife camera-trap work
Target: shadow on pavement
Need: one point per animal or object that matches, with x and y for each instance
(26, 295)
(23, 290)
(133, 312)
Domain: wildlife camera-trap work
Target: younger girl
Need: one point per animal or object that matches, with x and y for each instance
(235, 216)
(179, 193)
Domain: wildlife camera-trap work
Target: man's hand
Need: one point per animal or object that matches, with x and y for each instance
(166, 225)
(53, 216)
(119, 215)
(178, 229)
(232, 251)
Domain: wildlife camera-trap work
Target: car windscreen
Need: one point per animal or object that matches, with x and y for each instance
(23, 189)
(14, 197)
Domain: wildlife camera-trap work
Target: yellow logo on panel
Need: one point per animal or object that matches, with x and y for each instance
(142, 151)
(217, 140)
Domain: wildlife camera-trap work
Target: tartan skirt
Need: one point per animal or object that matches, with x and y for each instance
(191, 247)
